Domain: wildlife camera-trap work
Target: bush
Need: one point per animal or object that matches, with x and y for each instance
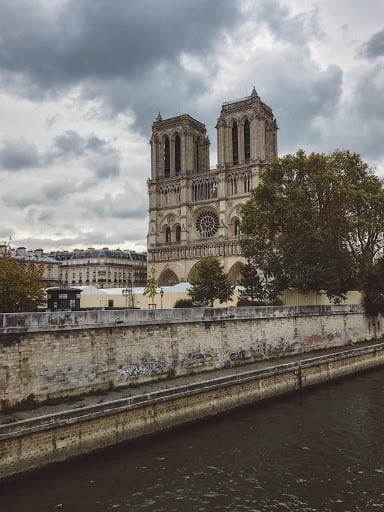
(246, 302)
(184, 303)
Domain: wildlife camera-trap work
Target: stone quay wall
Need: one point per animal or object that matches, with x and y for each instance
(51, 356)
(37, 442)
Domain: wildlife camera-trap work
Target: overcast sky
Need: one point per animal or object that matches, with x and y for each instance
(81, 82)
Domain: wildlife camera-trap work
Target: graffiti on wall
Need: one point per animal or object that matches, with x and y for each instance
(239, 355)
(195, 359)
(144, 368)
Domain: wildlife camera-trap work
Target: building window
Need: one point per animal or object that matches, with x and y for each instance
(247, 182)
(168, 235)
(247, 141)
(207, 224)
(167, 160)
(178, 233)
(235, 144)
(236, 227)
(197, 156)
(177, 155)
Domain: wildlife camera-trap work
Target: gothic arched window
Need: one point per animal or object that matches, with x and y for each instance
(177, 155)
(236, 227)
(178, 234)
(167, 160)
(168, 235)
(247, 141)
(235, 144)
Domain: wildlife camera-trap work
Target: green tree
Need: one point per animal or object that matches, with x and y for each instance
(20, 285)
(373, 289)
(151, 286)
(315, 222)
(256, 291)
(209, 283)
(253, 292)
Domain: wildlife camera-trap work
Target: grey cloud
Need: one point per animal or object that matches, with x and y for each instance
(118, 237)
(18, 154)
(101, 157)
(368, 104)
(369, 94)
(57, 190)
(105, 165)
(28, 197)
(303, 93)
(71, 144)
(36, 216)
(298, 29)
(68, 144)
(21, 198)
(6, 233)
(128, 205)
(374, 47)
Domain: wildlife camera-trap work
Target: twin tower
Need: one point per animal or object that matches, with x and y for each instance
(195, 211)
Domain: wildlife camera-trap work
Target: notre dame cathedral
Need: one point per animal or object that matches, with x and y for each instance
(195, 211)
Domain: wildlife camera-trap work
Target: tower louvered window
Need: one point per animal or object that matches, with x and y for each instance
(235, 144)
(247, 141)
(177, 155)
(167, 160)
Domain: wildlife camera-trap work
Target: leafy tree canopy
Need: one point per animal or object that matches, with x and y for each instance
(209, 283)
(315, 222)
(20, 285)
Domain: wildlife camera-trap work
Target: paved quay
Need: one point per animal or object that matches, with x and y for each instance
(142, 389)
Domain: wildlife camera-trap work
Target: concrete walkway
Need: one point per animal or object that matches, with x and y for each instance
(103, 397)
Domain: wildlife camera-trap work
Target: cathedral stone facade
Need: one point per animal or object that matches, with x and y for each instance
(195, 211)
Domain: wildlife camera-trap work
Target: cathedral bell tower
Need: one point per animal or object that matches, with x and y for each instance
(194, 211)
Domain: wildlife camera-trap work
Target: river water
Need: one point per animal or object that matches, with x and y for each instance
(321, 451)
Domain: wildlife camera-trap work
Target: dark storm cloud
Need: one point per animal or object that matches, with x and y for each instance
(19, 154)
(94, 40)
(374, 47)
(125, 54)
(128, 56)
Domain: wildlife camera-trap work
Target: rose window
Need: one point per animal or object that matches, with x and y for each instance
(207, 224)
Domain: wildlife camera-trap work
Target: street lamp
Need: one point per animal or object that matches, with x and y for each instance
(127, 292)
(161, 298)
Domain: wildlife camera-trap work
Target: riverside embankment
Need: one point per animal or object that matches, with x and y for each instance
(40, 345)
(42, 439)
